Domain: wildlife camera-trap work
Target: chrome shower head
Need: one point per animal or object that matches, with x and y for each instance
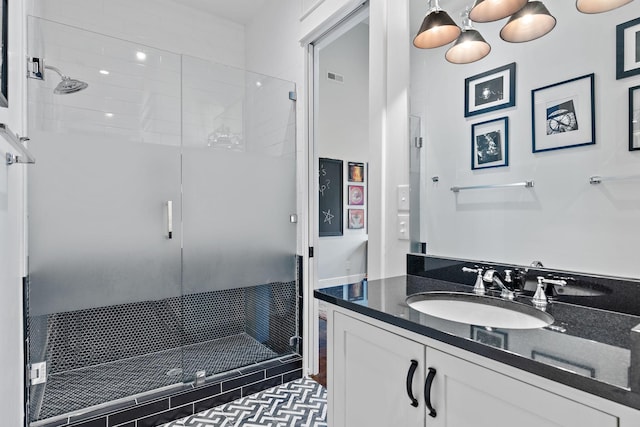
(67, 85)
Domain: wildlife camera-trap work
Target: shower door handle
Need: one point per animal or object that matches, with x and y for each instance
(169, 219)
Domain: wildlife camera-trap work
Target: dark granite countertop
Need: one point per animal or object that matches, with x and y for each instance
(586, 348)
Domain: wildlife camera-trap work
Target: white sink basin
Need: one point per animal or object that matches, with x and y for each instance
(480, 310)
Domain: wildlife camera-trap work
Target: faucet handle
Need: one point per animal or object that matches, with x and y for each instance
(508, 276)
(555, 282)
(472, 270)
(478, 288)
(540, 297)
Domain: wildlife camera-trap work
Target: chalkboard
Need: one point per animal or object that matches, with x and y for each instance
(330, 197)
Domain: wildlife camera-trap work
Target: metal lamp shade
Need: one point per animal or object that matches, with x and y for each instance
(469, 47)
(437, 29)
(494, 10)
(529, 23)
(599, 6)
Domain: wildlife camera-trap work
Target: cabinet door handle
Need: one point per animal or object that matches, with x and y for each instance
(412, 370)
(427, 392)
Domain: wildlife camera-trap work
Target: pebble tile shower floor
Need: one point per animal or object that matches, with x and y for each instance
(81, 388)
(300, 403)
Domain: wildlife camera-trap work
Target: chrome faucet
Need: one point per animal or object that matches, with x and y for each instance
(493, 277)
(540, 297)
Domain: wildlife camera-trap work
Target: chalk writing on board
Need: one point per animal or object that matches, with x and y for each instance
(325, 186)
(328, 216)
(326, 183)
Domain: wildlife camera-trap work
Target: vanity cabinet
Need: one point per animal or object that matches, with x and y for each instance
(467, 394)
(373, 374)
(372, 369)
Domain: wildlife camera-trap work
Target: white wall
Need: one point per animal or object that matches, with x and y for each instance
(156, 23)
(342, 132)
(564, 221)
(12, 266)
(395, 131)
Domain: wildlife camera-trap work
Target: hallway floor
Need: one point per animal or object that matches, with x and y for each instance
(300, 403)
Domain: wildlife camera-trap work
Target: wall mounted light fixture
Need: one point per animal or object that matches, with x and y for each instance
(529, 23)
(470, 46)
(494, 10)
(528, 20)
(437, 29)
(599, 6)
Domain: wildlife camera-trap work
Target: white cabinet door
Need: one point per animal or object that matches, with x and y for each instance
(369, 379)
(465, 394)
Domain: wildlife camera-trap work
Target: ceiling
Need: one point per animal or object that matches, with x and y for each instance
(239, 11)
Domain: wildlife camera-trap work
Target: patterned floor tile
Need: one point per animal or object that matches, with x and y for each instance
(301, 403)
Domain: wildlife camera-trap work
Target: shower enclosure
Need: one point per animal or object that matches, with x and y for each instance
(162, 235)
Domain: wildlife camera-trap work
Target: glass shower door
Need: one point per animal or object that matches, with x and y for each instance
(162, 227)
(239, 193)
(105, 270)
(416, 143)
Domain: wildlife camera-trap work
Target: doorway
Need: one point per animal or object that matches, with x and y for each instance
(339, 163)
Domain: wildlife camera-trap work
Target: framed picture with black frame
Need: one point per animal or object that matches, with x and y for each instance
(356, 195)
(356, 171)
(563, 114)
(356, 219)
(489, 91)
(490, 144)
(560, 362)
(634, 118)
(628, 49)
(490, 336)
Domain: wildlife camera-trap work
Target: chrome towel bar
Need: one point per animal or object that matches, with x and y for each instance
(526, 184)
(23, 156)
(597, 179)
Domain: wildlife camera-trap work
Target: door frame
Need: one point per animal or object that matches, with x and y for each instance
(331, 31)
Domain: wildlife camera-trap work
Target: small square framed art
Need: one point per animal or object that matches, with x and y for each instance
(490, 144)
(563, 114)
(489, 91)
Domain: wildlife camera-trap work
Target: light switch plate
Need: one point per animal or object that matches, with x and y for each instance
(403, 197)
(402, 226)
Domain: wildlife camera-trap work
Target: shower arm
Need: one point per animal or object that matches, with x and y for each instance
(51, 67)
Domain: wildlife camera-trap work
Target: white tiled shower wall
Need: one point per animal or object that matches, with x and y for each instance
(267, 45)
(162, 24)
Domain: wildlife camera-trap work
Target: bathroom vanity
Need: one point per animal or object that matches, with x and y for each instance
(389, 364)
